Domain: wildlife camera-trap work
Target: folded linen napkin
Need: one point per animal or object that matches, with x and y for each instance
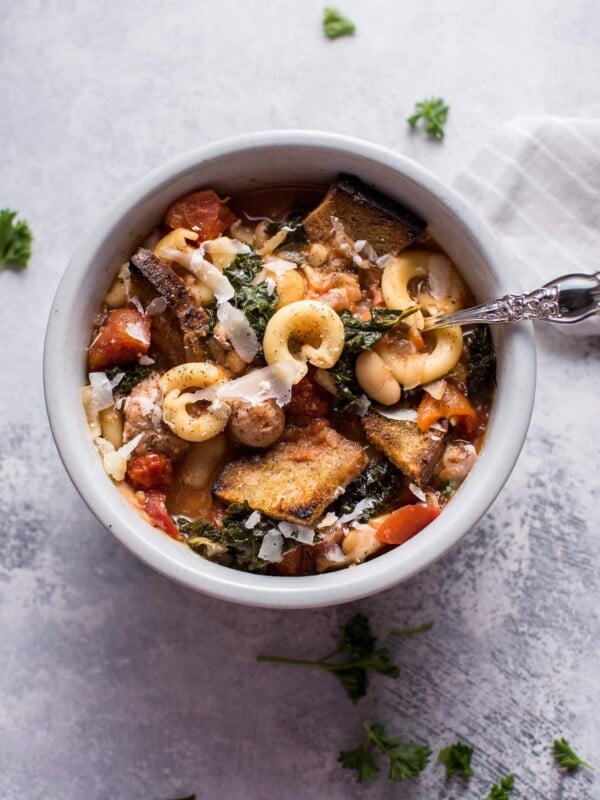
(537, 184)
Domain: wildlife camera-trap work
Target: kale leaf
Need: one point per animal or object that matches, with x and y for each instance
(257, 302)
(239, 545)
(292, 224)
(481, 369)
(358, 336)
(380, 481)
(15, 240)
(133, 374)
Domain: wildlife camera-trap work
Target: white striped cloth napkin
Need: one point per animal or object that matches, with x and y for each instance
(537, 184)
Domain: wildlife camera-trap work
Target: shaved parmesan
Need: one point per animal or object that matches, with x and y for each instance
(334, 553)
(137, 330)
(439, 275)
(145, 361)
(252, 520)
(239, 331)
(156, 306)
(102, 390)
(271, 286)
(274, 382)
(362, 505)
(383, 261)
(399, 414)
(418, 492)
(211, 276)
(436, 388)
(328, 520)
(301, 533)
(115, 461)
(137, 303)
(278, 266)
(271, 548)
(362, 405)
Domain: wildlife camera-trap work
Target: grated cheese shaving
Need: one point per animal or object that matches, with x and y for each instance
(439, 275)
(418, 492)
(399, 414)
(301, 533)
(271, 548)
(252, 520)
(362, 505)
(156, 306)
(239, 331)
(328, 520)
(102, 396)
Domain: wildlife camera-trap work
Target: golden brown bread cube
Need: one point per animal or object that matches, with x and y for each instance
(414, 452)
(294, 481)
(366, 214)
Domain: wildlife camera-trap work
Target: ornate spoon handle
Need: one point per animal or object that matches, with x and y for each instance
(568, 299)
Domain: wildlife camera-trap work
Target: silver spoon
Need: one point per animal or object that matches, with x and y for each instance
(569, 299)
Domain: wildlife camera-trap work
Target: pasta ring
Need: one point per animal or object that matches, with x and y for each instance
(304, 331)
(414, 369)
(176, 400)
(400, 270)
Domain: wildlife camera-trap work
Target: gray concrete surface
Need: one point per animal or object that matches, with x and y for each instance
(116, 683)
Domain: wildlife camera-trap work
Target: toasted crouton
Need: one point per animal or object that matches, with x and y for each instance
(414, 452)
(366, 215)
(294, 481)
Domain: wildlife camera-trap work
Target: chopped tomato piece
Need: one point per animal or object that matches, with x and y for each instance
(156, 508)
(203, 212)
(405, 522)
(309, 401)
(150, 471)
(453, 404)
(123, 338)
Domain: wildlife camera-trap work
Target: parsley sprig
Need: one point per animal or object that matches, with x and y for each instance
(566, 757)
(502, 790)
(406, 759)
(426, 626)
(457, 759)
(434, 113)
(351, 660)
(15, 240)
(335, 24)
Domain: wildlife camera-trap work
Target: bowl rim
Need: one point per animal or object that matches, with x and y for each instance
(492, 468)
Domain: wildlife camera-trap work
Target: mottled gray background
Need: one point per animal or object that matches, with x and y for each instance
(116, 683)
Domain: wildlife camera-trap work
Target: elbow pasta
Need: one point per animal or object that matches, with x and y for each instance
(174, 383)
(414, 369)
(304, 331)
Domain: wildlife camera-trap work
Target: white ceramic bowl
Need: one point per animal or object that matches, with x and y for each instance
(235, 165)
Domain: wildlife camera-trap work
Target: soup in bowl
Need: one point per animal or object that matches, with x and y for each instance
(262, 415)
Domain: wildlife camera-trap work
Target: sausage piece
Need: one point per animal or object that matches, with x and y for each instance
(258, 425)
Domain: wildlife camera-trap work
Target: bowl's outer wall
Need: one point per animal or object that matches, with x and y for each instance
(230, 167)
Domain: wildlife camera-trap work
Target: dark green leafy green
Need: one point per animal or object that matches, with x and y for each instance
(457, 759)
(257, 302)
(133, 374)
(239, 545)
(566, 757)
(502, 790)
(405, 760)
(292, 224)
(15, 240)
(357, 642)
(360, 336)
(481, 369)
(434, 113)
(380, 482)
(335, 24)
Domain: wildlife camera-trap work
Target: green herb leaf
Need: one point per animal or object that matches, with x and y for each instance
(255, 301)
(379, 482)
(426, 626)
(15, 240)
(566, 757)
(502, 790)
(132, 375)
(336, 24)
(349, 392)
(359, 644)
(481, 369)
(457, 759)
(406, 760)
(434, 113)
